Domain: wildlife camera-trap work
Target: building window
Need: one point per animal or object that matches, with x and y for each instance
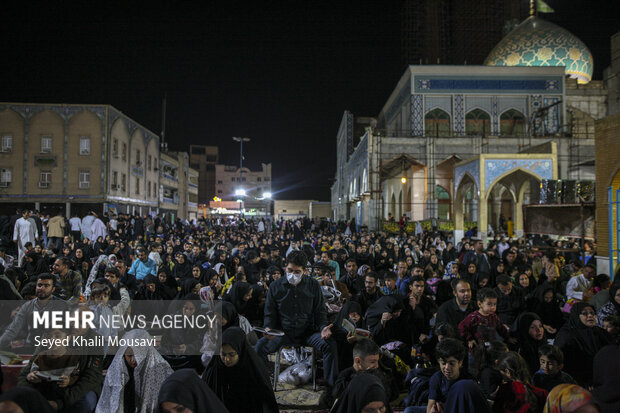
(477, 122)
(154, 190)
(45, 179)
(148, 188)
(437, 123)
(149, 161)
(114, 180)
(7, 143)
(512, 123)
(138, 157)
(137, 186)
(266, 179)
(123, 182)
(6, 177)
(84, 145)
(46, 144)
(232, 179)
(219, 182)
(258, 179)
(115, 148)
(124, 152)
(84, 179)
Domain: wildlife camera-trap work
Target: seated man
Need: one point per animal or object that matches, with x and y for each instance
(22, 325)
(295, 305)
(510, 301)
(366, 355)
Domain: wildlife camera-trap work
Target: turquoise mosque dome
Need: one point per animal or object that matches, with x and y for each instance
(536, 42)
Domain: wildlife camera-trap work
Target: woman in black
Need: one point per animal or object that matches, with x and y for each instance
(531, 335)
(238, 377)
(364, 392)
(239, 295)
(184, 389)
(580, 339)
(547, 307)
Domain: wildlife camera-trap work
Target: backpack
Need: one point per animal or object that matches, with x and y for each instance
(420, 379)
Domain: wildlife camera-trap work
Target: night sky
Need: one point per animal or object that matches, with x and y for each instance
(280, 73)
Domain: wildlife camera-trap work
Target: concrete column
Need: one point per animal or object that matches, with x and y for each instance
(37, 206)
(474, 209)
(482, 219)
(67, 209)
(518, 210)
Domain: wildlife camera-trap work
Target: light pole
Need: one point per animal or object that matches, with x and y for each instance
(240, 140)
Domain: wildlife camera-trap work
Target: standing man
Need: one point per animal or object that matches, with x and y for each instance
(87, 223)
(76, 227)
(56, 230)
(98, 228)
(25, 231)
(295, 305)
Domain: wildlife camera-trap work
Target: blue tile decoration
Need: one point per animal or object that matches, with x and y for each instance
(537, 42)
(417, 115)
(552, 120)
(536, 103)
(471, 84)
(458, 115)
(494, 116)
(472, 168)
(494, 168)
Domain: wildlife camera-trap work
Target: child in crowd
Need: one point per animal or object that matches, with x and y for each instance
(389, 279)
(611, 324)
(551, 364)
(432, 279)
(484, 324)
(516, 394)
(484, 367)
(450, 353)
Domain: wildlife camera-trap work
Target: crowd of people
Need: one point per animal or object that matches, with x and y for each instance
(516, 325)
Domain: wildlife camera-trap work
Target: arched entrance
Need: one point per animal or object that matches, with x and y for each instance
(505, 198)
(466, 204)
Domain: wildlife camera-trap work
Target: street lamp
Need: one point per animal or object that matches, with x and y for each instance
(240, 192)
(240, 140)
(266, 195)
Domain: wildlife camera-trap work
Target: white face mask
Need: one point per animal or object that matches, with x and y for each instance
(293, 279)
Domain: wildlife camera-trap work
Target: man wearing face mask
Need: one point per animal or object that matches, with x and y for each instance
(296, 306)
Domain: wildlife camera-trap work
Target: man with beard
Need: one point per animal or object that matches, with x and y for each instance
(44, 301)
(454, 311)
(69, 282)
(354, 282)
(370, 293)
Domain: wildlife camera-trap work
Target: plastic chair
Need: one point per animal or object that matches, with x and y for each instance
(276, 371)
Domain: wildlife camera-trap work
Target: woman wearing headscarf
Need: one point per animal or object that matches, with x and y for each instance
(570, 398)
(364, 392)
(612, 307)
(181, 347)
(150, 290)
(352, 312)
(547, 306)
(607, 379)
(168, 284)
(230, 317)
(580, 339)
(220, 269)
(531, 335)
(24, 399)
(133, 379)
(188, 286)
(184, 389)
(239, 295)
(389, 320)
(182, 268)
(238, 377)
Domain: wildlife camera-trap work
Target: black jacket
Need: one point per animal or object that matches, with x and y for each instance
(297, 310)
(451, 313)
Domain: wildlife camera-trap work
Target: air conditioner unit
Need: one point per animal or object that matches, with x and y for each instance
(4, 184)
(114, 186)
(6, 149)
(84, 151)
(44, 184)
(84, 185)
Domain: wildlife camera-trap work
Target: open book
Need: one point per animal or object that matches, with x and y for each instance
(54, 375)
(350, 327)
